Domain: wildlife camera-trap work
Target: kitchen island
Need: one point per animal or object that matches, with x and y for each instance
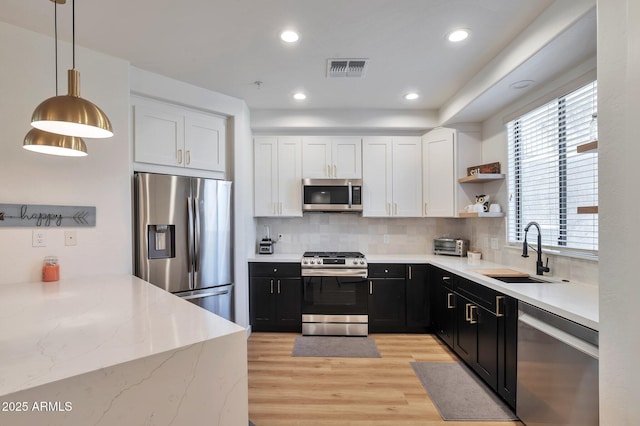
(116, 350)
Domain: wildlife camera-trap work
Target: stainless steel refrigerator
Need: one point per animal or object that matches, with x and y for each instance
(183, 238)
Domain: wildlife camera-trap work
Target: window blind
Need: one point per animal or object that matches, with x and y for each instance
(549, 179)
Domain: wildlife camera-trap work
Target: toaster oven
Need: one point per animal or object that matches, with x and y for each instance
(451, 246)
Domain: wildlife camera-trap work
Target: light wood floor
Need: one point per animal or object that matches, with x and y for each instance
(307, 391)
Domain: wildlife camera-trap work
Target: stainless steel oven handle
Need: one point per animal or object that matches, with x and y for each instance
(357, 273)
(350, 194)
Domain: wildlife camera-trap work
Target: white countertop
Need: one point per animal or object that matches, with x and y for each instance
(575, 301)
(52, 331)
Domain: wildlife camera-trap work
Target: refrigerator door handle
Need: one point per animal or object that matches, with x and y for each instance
(190, 241)
(196, 250)
(208, 294)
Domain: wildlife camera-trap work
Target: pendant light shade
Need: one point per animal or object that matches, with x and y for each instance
(72, 115)
(54, 144)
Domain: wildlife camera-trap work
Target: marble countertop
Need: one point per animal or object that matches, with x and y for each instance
(55, 330)
(572, 300)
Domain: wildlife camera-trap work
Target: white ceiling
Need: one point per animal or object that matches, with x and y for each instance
(226, 46)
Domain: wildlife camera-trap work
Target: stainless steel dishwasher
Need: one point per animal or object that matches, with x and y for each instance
(557, 370)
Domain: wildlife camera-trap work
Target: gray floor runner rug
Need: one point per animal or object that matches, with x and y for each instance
(459, 394)
(330, 346)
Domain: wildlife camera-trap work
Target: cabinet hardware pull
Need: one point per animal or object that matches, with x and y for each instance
(425, 209)
(467, 314)
(280, 209)
(274, 209)
(409, 271)
(396, 209)
(498, 300)
(179, 156)
(388, 209)
(271, 286)
(335, 171)
(370, 287)
(188, 155)
(446, 278)
(471, 310)
(278, 286)
(450, 304)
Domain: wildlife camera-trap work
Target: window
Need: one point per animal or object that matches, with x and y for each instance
(551, 181)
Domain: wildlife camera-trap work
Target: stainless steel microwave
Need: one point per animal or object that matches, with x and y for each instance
(332, 195)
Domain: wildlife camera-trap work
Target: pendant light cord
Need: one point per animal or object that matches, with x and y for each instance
(55, 31)
(73, 31)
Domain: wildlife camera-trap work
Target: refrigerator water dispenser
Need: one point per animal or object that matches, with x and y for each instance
(161, 240)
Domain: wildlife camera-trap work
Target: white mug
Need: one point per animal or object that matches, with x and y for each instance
(495, 208)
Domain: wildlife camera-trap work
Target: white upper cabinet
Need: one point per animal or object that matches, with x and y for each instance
(277, 176)
(446, 154)
(392, 176)
(332, 157)
(170, 135)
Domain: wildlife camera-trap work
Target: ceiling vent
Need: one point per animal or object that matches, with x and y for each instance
(346, 68)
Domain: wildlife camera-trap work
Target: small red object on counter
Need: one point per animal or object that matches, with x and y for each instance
(50, 269)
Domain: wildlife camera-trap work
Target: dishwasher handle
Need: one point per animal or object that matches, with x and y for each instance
(560, 335)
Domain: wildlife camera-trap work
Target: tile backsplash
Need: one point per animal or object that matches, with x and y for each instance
(350, 232)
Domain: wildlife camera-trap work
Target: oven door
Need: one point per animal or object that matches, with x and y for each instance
(334, 295)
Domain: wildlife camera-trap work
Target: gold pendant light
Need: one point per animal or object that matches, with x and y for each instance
(70, 114)
(52, 143)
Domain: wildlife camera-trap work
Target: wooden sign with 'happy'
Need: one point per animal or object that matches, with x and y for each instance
(35, 215)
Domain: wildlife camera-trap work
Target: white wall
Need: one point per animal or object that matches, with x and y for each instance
(619, 151)
(240, 165)
(101, 179)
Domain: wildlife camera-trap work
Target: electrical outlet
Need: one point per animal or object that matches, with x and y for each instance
(38, 238)
(70, 238)
(494, 244)
(284, 238)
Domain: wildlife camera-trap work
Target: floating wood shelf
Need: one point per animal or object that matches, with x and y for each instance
(483, 214)
(588, 210)
(587, 147)
(481, 178)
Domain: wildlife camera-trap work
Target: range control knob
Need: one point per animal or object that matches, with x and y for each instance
(312, 261)
(305, 261)
(362, 261)
(355, 261)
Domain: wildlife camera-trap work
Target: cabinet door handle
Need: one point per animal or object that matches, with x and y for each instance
(278, 286)
(388, 209)
(471, 310)
(498, 300)
(467, 314)
(280, 209)
(188, 157)
(425, 209)
(179, 156)
(410, 272)
(274, 209)
(370, 287)
(335, 171)
(395, 205)
(271, 286)
(450, 304)
(445, 278)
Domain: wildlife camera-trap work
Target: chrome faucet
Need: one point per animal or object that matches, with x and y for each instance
(540, 268)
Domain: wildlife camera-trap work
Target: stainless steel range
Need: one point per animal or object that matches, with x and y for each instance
(335, 294)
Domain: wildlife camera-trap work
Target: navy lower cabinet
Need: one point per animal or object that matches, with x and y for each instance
(417, 299)
(275, 297)
(480, 325)
(387, 305)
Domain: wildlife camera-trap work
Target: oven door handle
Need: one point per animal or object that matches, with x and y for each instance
(358, 273)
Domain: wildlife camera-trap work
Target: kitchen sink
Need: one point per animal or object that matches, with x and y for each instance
(525, 279)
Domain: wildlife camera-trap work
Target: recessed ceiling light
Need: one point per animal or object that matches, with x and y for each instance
(522, 84)
(457, 35)
(289, 36)
(299, 96)
(411, 96)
